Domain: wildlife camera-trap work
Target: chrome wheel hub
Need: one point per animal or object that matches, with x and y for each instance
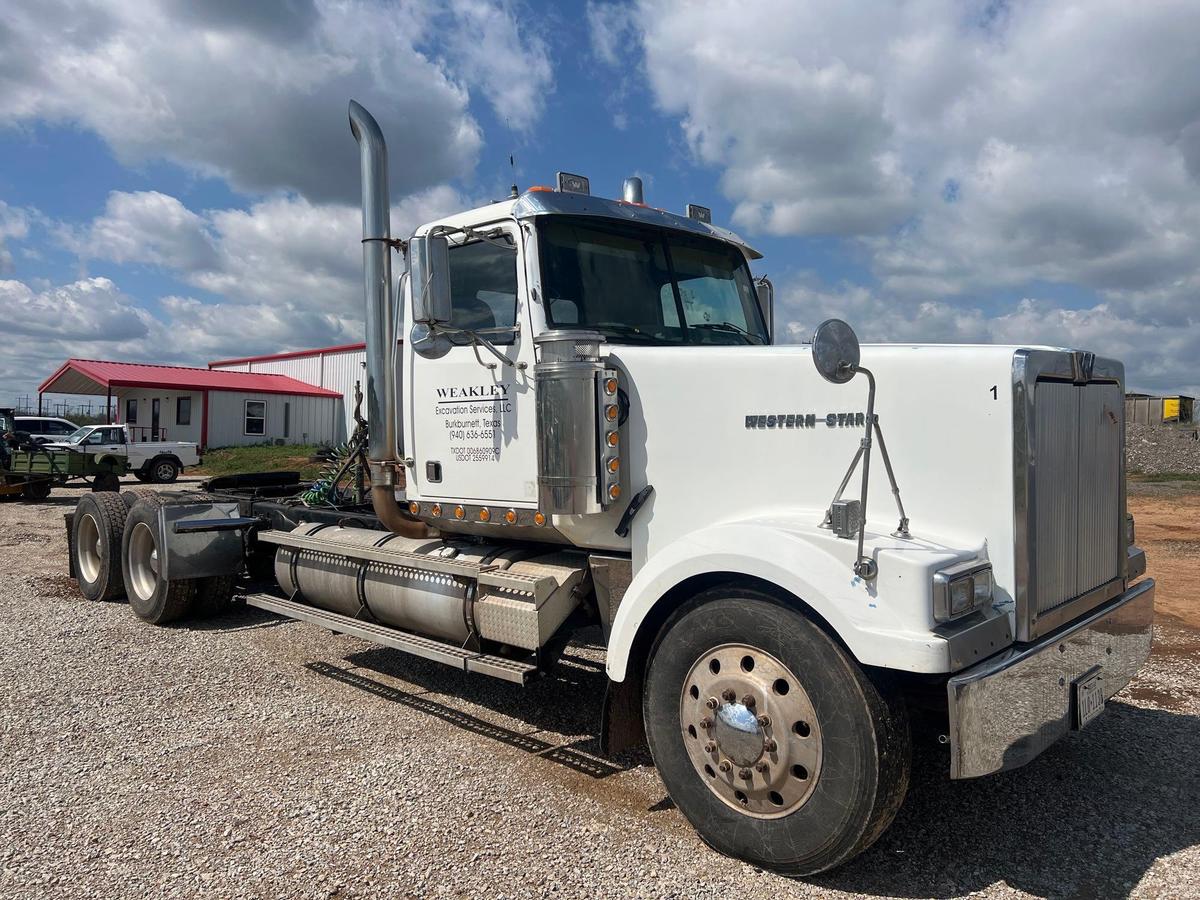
(143, 561)
(90, 550)
(750, 731)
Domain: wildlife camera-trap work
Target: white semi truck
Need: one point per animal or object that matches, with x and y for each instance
(593, 424)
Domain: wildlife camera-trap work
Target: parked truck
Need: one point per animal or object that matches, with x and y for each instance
(158, 462)
(594, 424)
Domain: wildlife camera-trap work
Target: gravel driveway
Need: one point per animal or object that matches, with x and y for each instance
(254, 756)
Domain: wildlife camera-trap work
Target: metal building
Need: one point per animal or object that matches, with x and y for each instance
(211, 408)
(336, 369)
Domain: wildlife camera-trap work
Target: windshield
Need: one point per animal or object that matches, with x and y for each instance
(78, 434)
(640, 284)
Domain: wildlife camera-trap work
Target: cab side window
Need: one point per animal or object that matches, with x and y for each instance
(483, 287)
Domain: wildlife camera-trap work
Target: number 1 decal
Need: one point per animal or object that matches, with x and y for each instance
(995, 395)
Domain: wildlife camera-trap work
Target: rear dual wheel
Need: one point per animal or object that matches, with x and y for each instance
(96, 534)
(151, 596)
(776, 745)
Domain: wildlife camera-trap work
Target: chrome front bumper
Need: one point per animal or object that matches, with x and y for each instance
(1009, 708)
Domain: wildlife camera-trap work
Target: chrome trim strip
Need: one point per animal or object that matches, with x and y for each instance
(1027, 368)
(1008, 709)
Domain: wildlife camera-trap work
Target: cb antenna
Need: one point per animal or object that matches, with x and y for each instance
(512, 164)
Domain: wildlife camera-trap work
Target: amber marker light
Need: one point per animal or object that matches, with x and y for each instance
(614, 492)
(485, 515)
(611, 438)
(610, 385)
(437, 509)
(614, 465)
(414, 507)
(610, 412)
(459, 512)
(511, 517)
(539, 518)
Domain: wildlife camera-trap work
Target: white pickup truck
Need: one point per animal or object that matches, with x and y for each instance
(153, 461)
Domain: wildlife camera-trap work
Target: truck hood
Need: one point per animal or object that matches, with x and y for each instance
(734, 433)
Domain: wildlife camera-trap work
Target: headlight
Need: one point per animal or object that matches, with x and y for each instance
(962, 589)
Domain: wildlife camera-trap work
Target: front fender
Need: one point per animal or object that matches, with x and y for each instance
(886, 623)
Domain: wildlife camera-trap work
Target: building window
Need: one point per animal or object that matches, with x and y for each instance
(256, 417)
(130, 412)
(183, 410)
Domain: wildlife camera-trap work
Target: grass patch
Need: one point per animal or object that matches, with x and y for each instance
(260, 458)
(1159, 477)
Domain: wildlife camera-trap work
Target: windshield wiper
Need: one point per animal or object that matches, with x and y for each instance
(627, 331)
(730, 328)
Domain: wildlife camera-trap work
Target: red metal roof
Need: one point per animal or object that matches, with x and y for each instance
(89, 376)
(290, 354)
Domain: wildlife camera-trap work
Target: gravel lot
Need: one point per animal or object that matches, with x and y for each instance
(253, 756)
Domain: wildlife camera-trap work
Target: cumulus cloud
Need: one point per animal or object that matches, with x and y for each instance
(283, 250)
(1151, 353)
(256, 92)
(14, 223)
(1074, 122)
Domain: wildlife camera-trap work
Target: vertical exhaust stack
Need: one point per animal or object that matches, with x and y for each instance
(380, 323)
(632, 190)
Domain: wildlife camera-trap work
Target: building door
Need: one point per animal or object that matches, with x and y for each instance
(154, 414)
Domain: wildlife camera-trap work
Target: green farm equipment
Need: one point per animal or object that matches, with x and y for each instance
(30, 470)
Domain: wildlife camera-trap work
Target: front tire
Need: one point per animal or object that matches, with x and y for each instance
(151, 596)
(772, 741)
(36, 490)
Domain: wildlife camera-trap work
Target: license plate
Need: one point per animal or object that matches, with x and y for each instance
(1089, 697)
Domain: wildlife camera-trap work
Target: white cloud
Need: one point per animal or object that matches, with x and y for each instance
(256, 92)
(14, 223)
(1150, 352)
(283, 250)
(1066, 135)
(510, 65)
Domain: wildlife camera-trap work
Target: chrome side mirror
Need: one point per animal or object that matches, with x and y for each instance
(429, 275)
(766, 302)
(835, 351)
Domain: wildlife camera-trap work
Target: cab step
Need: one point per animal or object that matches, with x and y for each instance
(466, 660)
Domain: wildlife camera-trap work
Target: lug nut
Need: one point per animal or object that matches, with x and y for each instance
(729, 695)
(706, 723)
(712, 702)
(769, 745)
(710, 746)
(724, 765)
(764, 721)
(748, 701)
(746, 774)
(760, 766)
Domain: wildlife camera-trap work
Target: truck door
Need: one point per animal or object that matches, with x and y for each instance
(471, 429)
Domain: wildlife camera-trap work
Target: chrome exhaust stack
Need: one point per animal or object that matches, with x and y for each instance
(380, 389)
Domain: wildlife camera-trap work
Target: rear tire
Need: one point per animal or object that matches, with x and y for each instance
(151, 596)
(106, 482)
(36, 490)
(96, 534)
(214, 595)
(163, 470)
(756, 778)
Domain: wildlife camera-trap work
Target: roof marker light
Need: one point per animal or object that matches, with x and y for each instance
(574, 184)
(699, 213)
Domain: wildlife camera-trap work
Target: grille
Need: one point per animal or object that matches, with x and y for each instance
(1077, 490)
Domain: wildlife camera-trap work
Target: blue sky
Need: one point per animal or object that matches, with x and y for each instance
(178, 184)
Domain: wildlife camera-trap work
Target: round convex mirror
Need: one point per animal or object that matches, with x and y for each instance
(835, 351)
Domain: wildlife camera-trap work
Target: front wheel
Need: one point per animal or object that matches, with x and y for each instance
(773, 742)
